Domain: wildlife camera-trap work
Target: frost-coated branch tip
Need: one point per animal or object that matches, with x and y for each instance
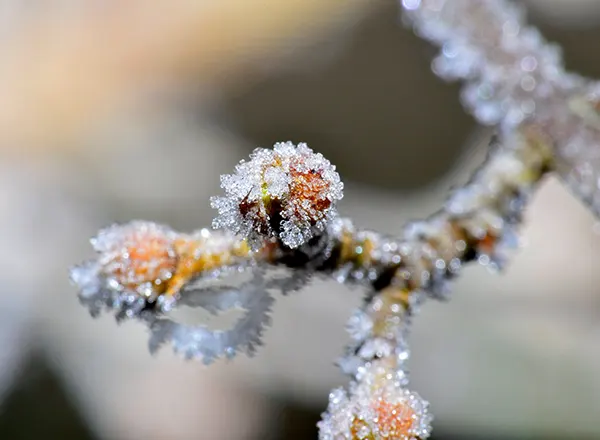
(377, 406)
(143, 266)
(288, 193)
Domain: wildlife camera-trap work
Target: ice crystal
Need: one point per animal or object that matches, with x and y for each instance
(288, 193)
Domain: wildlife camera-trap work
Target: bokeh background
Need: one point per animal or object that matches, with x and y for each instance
(112, 110)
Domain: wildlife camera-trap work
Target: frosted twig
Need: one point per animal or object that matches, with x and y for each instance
(279, 211)
(513, 77)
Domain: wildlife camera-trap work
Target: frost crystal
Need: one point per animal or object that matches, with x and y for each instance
(287, 193)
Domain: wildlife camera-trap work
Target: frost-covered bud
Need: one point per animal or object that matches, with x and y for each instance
(288, 193)
(134, 265)
(139, 256)
(377, 408)
(143, 265)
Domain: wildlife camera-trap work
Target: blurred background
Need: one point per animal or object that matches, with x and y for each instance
(112, 110)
